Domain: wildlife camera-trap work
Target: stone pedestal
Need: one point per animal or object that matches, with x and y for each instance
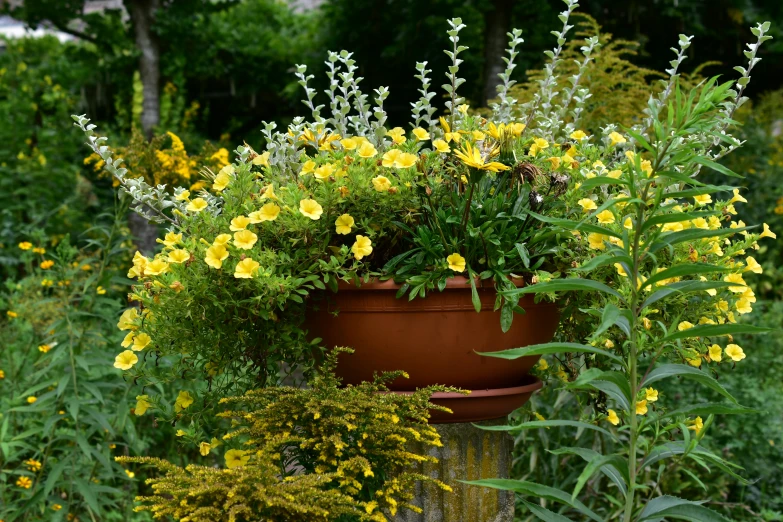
(468, 453)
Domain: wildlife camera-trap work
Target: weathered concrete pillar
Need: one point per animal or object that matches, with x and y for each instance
(468, 453)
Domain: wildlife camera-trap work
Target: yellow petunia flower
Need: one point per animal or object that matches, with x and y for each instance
(128, 319)
(597, 241)
(578, 135)
(236, 458)
(767, 233)
(156, 267)
(651, 394)
(262, 160)
(215, 255)
(738, 280)
(32, 399)
(197, 205)
(684, 325)
(456, 262)
(381, 183)
(25, 245)
(183, 196)
(715, 352)
(268, 212)
(612, 417)
(223, 178)
(743, 306)
(269, 193)
(696, 425)
(587, 204)
(421, 134)
(142, 405)
(170, 240)
(751, 265)
(737, 198)
(441, 146)
(538, 145)
(204, 448)
(734, 352)
(222, 239)
(324, 171)
(616, 138)
(184, 400)
(125, 360)
(46, 265)
(307, 167)
(349, 143)
(246, 269)
(605, 217)
(405, 160)
(239, 223)
(140, 342)
(311, 208)
(702, 199)
(178, 256)
(344, 224)
(245, 239)
(397, 134)
(367, 150)
(362, 247)
(641, 407)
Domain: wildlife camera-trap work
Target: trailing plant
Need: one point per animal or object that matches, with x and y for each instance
(320, 453)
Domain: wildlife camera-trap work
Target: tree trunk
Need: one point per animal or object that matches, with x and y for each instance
(497, 22)
(142, 14)
(144, 233)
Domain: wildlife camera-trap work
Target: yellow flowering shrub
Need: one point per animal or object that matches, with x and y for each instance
(319, 452)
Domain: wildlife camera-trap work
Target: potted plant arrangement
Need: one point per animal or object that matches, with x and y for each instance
(416, 232)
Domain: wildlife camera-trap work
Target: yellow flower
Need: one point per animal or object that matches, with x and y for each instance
(606, 217)
(651, 394)
(381, 183)
(672, 227)
(222, 239)
(441, 146)
(269, 193)
(324, 171)
(268, 212)
(751, 265)
(736, 279)
(397, 135)
(262, 160)
(620, 270)
(130, 473)
(587, 204)
(56, 507)
(737, 198)
(31, 399)
(405, 160)
(542, 364)
(140, 342)
(178, 256)
(246, 268)
(239, 223)
(613, 418)
(743, 306)
(715, 352)
(735, 352)
(2, 374)
(554, 162)
(343, 224)
(456, 262)
(25, 245)
(615, 138)
(641, 407)
(222, 179)
(538, 145)
(39, 250)
(578, 135)
(183, 196)
(362, 247)
(311, 209)
(367, 150)
(204, 447)
(180, 433)
(125, 360)
(702, 199)
(307, 167)
(349, 143)
(236, 458)
(127, 319)
(197, 205)
(696, 425)
(156, 267)
(539, 416)
(44, 348)
(142, 405)
(472, 158)
(100, 290)
(245, 239)
(215, 255)
(390, 157)
(447, 134)
(478, 135)
(46, 265)
(767, 233)
(696, 361)
(421, 134)
(597, 241)
(170, 240)
(184, 400)
(684, 325)
(24, 482)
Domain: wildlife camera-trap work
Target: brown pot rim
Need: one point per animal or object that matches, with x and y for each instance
(536, 385)
(452, 283)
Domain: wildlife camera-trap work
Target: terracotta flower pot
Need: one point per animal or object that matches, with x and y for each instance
(433, 339)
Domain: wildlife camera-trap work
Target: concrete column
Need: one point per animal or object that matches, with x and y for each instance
(468, 453)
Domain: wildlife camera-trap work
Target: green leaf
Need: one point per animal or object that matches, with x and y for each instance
(603, 260)
(506, 316)
(715, 330)
(661, 507)
(617, 471)
(564, 285)
(523, 254)
(54, 475)
(681, 287)
(673, 238)
(531, 425)
(689, 372)
(474, 293)
(675, 217)
(610, 315)
(89, 496)
(710, 408)
(701, 160)
(547, 348)
(593, 465)
(579, 225)
(544, 514)
(683, 270)
(535, 490)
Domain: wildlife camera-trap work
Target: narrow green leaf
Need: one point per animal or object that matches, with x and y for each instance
(608, 318)
(701, 160)
(561, 285)
(603, 260)
(544, 514)
(531, 425)
(681, 287)
(547, 348)
(523, 254)
(715, 330)
(664, 371)
(473, 292)
(618, 477)
(592, 466)
(683, 270)
(710, 408)
(666, 506)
